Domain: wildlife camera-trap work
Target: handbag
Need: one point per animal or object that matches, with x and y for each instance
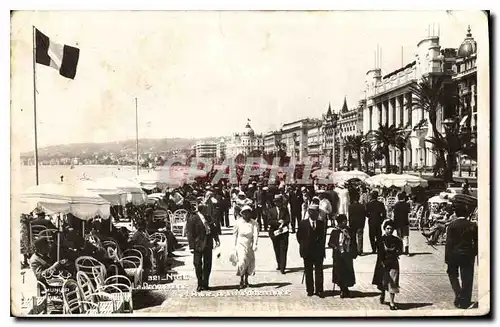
(233, 257)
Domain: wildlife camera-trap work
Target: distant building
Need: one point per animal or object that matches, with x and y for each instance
(221, 148)
(206, 149)
(271, 141)
(244, 142)
(294, 137)
(466, 80)
(389, 100)
(328, 127)
(314, 142)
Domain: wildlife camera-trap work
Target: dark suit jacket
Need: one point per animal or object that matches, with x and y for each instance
(461, 242)
(197, 236)
(296, 200)
(375, 211)
(401, 212)
(357, 216)
(311, 242)
(272, 216)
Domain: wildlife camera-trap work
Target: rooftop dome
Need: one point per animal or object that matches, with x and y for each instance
(248, 130)
(468, 46)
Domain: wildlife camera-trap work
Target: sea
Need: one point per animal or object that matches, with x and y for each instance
(53, 173)
(26, 177)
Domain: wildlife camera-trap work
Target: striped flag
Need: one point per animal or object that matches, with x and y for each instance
(63, 57)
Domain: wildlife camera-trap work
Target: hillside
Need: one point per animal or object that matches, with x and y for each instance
(123, 147)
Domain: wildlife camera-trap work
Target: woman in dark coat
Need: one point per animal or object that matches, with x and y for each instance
(386, 275)
(344, 251)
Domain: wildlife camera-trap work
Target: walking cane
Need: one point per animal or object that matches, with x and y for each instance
(303, 275)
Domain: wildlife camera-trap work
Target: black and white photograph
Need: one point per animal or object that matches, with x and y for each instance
(250, 163)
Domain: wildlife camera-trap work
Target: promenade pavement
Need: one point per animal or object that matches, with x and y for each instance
(423, 280)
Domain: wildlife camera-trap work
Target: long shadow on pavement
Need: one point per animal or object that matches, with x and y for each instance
(297, 269)
(421, 253)
(235, 287)
(409, 306)
(352, 295)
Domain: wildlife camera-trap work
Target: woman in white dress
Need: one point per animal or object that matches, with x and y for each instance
(343, 204)
(246, 235)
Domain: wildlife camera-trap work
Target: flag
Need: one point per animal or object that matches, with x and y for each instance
(64, 58)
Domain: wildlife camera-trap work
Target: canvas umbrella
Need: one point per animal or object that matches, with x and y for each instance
(344, 176)
(132, 188)
(397, 180)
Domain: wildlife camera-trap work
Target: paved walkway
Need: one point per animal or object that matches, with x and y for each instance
(424, 285)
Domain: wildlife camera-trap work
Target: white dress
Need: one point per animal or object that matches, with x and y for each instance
(343, 206)
(246, 234)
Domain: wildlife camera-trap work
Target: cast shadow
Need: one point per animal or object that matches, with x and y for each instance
(235, 287)
(409, 306)
(147, 298)
(297, 269)
(175, 263)
(421, 253)
(352, 294)
(358, 294)
(278, 285)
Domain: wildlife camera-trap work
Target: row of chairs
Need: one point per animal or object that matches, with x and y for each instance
(93, 294)
(175, 220)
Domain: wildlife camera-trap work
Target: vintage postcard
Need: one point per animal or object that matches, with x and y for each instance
(250, 163)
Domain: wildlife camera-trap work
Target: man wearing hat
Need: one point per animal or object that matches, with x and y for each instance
(460, 252)
(375, 211)
(264, 207)
(296, 201)
(202, 233)
(279, 219)
(311, 238)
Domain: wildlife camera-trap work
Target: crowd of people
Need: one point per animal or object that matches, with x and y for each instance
(280, 210)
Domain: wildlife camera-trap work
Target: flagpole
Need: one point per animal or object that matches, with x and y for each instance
(34, 102)
(137, 137)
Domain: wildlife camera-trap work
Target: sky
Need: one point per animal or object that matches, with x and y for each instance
(200, 74)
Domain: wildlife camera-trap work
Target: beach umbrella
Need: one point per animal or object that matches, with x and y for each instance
(468, 200)
(106, 190)
(67, 198)
(437, 199)
(322, 173)
(160, 179)
(397, 180)
(344, 176)
(132, 188)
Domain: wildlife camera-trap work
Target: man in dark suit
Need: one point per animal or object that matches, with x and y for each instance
(375, 211)
(42, 221)
(226, 204)
(401, 212)
(258, 206)
(311, 238)
(202, 233)
(460, 253)
(279, 219)
(295, 206)
(357, 219)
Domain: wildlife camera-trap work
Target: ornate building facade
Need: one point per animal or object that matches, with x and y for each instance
(466, 80)
(389, 100)
(244, 142)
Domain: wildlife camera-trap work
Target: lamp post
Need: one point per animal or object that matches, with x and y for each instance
(449, 124)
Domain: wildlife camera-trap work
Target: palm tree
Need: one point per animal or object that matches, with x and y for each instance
(385, 137)
(431, 94)
(368, 154)
(356, 144)
(401, 144)
(348, 147)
